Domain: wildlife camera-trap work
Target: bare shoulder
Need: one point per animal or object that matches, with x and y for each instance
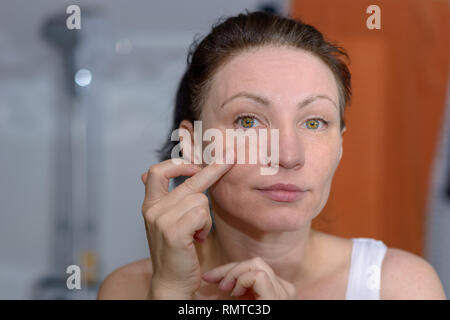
(128, 282)
(405, 275)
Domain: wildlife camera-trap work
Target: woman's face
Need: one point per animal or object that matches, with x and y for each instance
(310, 141)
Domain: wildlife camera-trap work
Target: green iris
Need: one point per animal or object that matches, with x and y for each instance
(314, 126)
(247, 122)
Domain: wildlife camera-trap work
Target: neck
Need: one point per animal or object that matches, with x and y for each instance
(289, 254)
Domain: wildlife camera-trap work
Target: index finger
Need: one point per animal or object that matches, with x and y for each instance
(157, 183)
(202, 180)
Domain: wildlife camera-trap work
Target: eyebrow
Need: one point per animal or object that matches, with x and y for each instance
(265, 102)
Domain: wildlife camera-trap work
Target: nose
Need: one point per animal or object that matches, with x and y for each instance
(291, 150)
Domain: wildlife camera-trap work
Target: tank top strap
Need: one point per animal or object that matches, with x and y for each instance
(365, 269)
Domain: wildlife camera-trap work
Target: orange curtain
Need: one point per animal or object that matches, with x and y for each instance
(399, 76)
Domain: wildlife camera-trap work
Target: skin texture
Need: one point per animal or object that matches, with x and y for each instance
(266, 249)
(249, 224)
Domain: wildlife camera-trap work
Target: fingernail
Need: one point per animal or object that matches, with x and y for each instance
(209, 275)
(198, 238)
(223, 285)
(206, 277)
(203, 235)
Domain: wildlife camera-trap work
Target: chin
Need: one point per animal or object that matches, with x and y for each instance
(281, 219)
(272, 218)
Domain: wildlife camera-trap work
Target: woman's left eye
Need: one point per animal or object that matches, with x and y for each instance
(247, 122)
(314, 123)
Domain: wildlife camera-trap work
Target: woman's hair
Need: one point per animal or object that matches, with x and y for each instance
(243, 32)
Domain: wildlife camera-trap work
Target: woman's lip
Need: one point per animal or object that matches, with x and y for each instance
(282, 195)
(282, 186)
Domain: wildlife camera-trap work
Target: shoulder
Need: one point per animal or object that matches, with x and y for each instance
(337, 250)
(128, 282)
(408, 276)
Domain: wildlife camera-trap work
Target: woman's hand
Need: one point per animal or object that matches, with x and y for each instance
(173, 220)
(254, 275)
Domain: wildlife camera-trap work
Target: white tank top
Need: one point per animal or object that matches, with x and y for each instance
(365, 269)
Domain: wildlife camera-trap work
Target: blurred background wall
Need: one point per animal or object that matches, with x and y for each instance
(82, 112)
(71, 158)
(385, 186)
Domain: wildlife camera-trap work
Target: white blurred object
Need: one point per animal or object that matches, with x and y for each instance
(83, 77)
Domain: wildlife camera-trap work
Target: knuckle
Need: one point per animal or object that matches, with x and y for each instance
(160, 222)
(203, 211)
(189, 185)
(261, 275)
(241, 282)
(151, 206)
(258, 261)
(199, 199)
(199, 213)
(149, 215)
(144, 209)
(260, 264)
(167, 238)
(154, 170)
(169, 235)
(202, 199)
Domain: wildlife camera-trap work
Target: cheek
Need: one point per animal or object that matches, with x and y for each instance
(234, 185)
(232, 180)
(323, 160)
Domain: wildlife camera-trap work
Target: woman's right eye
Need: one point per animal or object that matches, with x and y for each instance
(247, 121)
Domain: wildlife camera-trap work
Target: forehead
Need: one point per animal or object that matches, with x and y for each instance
(285, 75)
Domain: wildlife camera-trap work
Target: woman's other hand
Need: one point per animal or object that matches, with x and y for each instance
(254, 275)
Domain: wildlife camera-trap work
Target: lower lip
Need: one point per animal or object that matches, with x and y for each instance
(283, 195)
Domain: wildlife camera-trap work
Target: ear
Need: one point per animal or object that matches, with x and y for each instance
(341, 151)
(187, 125)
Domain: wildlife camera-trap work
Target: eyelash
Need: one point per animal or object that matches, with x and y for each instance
(325, 122)
(246, 115)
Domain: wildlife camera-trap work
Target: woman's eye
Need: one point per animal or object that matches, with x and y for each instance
(314, 123)
(247, 122)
